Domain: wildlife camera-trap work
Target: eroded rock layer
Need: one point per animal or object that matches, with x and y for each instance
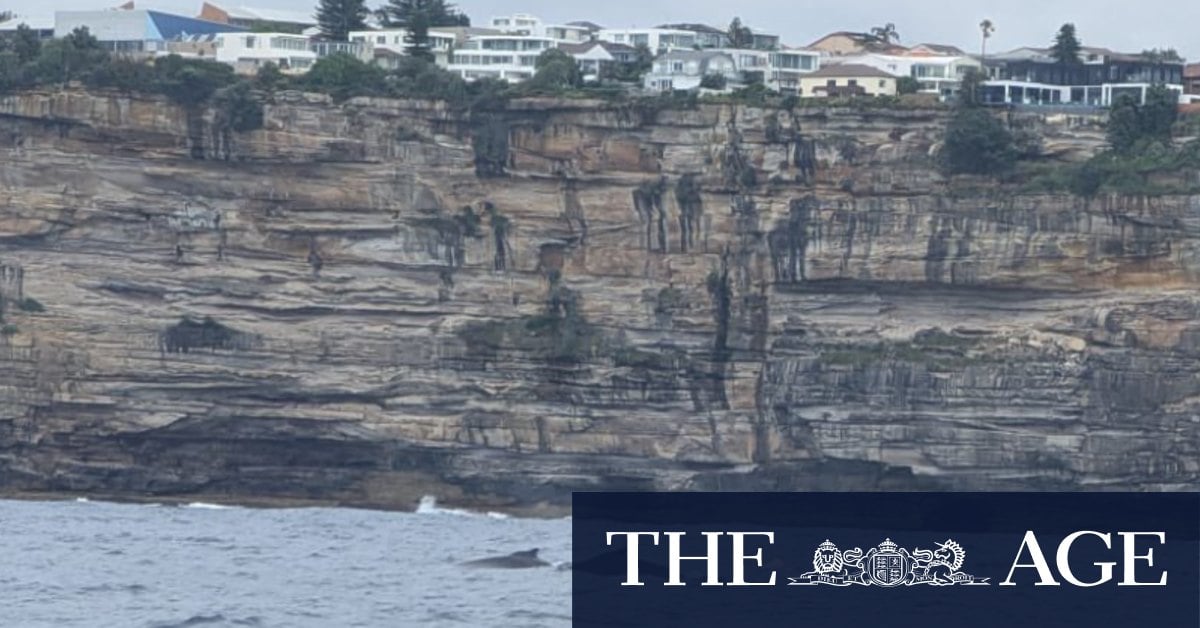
(370, 302)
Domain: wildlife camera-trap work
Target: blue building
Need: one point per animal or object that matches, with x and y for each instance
(136, 30)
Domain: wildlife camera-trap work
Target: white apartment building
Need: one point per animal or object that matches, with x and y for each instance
(247, 52)
(392, 40)
(511, 58)
(779, 70)
(658, 40)
(525, 24)
(939, 75)
(518, 24)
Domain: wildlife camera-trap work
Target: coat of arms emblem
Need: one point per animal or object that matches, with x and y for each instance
(888, 565)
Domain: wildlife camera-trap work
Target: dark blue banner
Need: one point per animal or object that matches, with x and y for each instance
(894, 560)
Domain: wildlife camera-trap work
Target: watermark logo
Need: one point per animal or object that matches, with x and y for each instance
(888, 565)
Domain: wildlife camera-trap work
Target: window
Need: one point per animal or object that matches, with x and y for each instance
(882, 84)
(250, 41)
(852, 83)
(831, 83)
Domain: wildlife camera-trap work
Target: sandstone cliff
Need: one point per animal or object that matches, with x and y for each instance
(369, 302)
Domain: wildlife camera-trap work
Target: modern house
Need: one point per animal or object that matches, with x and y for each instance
(936, 50)
(247, 52)
(518, 24)
(937, 74)
(658, 40)
(394, 40)
(511, 58)
(530, 25)
(851, 43)
(760, 40)
(685, 69)
(1032, 76)
(595, 58)
(706, 36)
(262, 20)
(779, 70)
(1191, 79)
(786, 67)
(137, 31)
(847, 79)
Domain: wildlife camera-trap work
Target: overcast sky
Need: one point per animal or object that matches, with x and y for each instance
(1126, 25)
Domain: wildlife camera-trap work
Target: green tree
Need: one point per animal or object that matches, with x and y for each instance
(1159, 113)
(71, 58)
(907, 85)
(977, 143)
(191, 82)
(239, 108)
(417, 17)
(1124, 124)
(344, 76)
(886, 34)
(740, 36)
(556, 70)
(13, 73)
(1066, 45)
(338, 17)
(1132, 126)
(270, 78)
(126, 75)
(643, 62)
(986, 28)
(1157, 56)
(22, 42)
(713, 81)
(970, 89)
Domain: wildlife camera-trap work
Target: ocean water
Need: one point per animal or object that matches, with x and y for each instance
(80, 563)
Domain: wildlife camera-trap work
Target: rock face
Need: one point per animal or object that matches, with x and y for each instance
(370, 302)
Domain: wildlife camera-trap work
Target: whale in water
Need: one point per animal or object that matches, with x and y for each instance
(516, 560)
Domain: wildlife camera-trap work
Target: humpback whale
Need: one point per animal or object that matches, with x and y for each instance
(516, 560)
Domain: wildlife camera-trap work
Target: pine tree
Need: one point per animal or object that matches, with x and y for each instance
(1066, 46)
(740, 36)
(417, 17)
(338, 17)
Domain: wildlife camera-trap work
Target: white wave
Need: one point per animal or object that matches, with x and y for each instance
(82, 500)
(429, 506)
(206, 506)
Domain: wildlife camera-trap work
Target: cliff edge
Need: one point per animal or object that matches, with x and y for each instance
(369, 302)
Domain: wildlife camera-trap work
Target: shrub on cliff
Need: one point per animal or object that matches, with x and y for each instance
(556, 70)
(417, 78)
(1132, 125)
(126, 75)
(977, 143)
(343, 76)
(13, 73)
(239, 108)
(71, 58)
(190, 82)
(713, 81)
(23, 43)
